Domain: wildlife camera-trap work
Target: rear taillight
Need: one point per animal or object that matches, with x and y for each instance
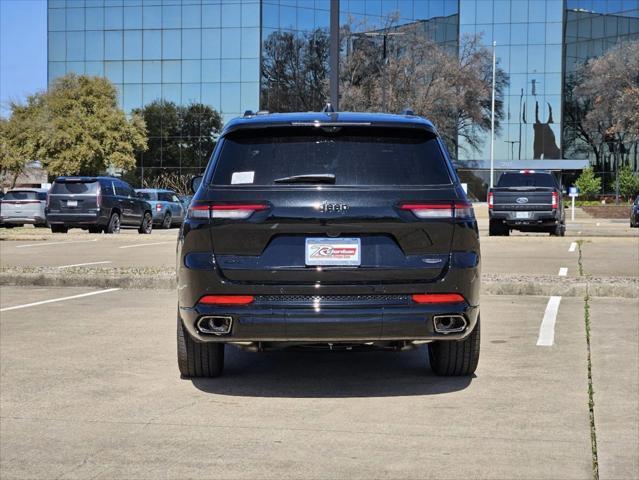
(490, 200)
(226, 299)
(48, 199)
(234, 211)
(426, 298)
(555, 200)
(440, 210)
(158, 207)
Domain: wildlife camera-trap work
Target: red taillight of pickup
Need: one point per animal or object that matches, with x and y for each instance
(490, 199)
(239, 211)
(555, 200)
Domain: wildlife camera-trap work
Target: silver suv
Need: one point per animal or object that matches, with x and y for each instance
(23, 205)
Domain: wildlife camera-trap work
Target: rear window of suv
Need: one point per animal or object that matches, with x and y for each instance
(527, 180)
(148, 195)
(362, 156)
(23, 195)
(75, 188)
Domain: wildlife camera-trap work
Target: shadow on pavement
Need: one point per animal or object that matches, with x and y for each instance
(329, 374)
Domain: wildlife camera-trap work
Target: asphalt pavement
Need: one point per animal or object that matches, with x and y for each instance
(89, 386)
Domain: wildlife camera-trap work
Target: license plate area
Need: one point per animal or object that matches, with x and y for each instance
(333, 252)
(72, 203)
(522, 215)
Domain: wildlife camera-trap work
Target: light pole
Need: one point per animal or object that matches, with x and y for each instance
(334, 55)
(492, 123)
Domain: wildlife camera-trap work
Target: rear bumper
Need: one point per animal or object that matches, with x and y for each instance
(22, 220)
(77, 219)
(535, 218)
(336, 323)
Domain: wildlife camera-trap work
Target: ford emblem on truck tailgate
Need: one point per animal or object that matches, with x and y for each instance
(522, 200)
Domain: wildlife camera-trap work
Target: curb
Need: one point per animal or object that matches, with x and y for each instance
(491, 284)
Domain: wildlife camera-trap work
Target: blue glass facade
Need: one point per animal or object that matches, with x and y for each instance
(183, 51)
(213, 51)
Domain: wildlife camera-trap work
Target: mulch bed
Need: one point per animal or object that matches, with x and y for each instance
(608, 211)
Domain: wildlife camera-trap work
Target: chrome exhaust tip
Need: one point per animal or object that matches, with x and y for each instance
(215, 325)
(449, 323)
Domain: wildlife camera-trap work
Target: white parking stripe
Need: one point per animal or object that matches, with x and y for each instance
(573, 247)
(84, 264)
(34, 304)
(44, 244)
(563, 271)
(145, 244)
(547, 330)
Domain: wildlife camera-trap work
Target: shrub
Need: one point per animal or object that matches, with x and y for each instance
(588, 184)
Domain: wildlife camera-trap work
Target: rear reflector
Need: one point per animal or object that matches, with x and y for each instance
(438, 298)
(230, 211)
(226, 299)
(440, 210)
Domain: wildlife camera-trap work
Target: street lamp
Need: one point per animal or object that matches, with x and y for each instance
(492, 123)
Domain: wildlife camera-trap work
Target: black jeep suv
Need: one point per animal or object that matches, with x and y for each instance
(329, 228)
(96, 204)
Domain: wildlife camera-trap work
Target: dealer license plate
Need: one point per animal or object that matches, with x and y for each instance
(336, 252)
(522, 214)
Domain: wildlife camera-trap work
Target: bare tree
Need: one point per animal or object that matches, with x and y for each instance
(453, 91)
(295, 71)
(607, 97)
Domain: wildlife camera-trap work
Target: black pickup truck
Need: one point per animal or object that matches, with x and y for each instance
(529, 201)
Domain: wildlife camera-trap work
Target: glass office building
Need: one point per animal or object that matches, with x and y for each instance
(214, 51)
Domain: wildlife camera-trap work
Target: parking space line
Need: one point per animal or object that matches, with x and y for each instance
(84, 264)
(53, 300)
(563, 271)
(573, 247)
(44, 244)
(145, 244)
(547, 329)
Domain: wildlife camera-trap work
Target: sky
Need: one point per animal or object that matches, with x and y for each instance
(23, 50)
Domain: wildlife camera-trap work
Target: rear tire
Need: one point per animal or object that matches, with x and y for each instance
(147, 224)
(114, 223)
(59, 229)
(456, 358)
(167, 221)
(497, 229)
(558, 231)
(197, 359)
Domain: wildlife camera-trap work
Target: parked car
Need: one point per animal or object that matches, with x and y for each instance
(527, 200)
(634, 214)
(96, 204)
(166, 206)
(23, 206)
(333, 229)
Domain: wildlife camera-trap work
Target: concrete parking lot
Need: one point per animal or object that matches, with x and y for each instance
(89, 386)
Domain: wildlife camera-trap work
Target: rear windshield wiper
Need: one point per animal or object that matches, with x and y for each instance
(308, 178)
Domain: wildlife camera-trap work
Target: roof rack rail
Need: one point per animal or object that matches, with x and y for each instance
(407, 111)
(262, 112)
(328, 108)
